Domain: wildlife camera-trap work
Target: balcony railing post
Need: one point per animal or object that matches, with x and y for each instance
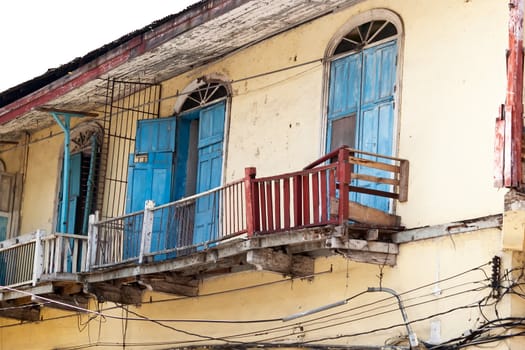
(403, 180)
(38, 263)
(252, 217)
(92, 242)
(343, 178)
(147, 228)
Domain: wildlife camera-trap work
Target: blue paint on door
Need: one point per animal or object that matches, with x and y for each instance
(150, 178)
(362, 84)
(209, 171)
(3, 228)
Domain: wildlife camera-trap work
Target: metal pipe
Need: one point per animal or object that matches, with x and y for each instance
(313, 311)
(412, 338)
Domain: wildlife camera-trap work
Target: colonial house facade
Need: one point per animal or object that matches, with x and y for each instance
(301, 174)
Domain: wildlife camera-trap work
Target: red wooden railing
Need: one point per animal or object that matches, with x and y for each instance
(307, 198)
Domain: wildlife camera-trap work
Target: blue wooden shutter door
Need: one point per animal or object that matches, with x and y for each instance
(363, 84)
(150, 180)
(209, 171)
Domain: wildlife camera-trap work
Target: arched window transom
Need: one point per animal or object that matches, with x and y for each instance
(366, 34)
(204, 95)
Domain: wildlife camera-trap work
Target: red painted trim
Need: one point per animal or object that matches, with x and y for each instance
(514, 99)
(104, 64)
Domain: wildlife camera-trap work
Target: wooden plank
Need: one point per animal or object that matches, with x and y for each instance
(374, 164)
(277, 207)
(404, 168)
(306, 199)
(315, 197)
(343, 177)
(264, 217)
(366, 215)
(269, 204)
(286, 197)
(416, 234)
(324, 198)
(374, 192)
(172, 287)
(375, 179)
(372, 234)
(29, 313)
(123, 294)
(366, 246)
(372, 257)
(297, 198)
(256, 208)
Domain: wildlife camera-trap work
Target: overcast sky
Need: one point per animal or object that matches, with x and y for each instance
(42, 34)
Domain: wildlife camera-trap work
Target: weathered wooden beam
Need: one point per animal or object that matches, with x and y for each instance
(123, 294)
(62, 301)
(270, 260)
(172, 284)
(38, 290)
(416, 234)
(172, 288)
(366, 215)
(364, 246)
(28, 312)
(372, 234)
(371, 257)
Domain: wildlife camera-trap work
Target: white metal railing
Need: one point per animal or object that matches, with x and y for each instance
(25, 259)
(170, 230)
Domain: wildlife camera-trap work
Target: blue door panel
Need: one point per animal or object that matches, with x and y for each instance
(3, 228)
(150, 180)
(363, 84)
(209, 171)
(155, 135)
(345, 85)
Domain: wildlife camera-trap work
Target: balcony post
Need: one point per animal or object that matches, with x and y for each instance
(92, 241)
(343, 178)
(38, 263)
(252, 219)
(147, 228)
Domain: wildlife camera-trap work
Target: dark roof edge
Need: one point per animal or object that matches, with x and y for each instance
(21, 90)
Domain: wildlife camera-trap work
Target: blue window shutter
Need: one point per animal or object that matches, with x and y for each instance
(209, 170)
(363, 84)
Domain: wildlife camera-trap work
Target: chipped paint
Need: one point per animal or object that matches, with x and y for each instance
(196, 37)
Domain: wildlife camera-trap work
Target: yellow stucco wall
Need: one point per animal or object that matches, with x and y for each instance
(451, 81)
(40, 189)
(262, 296)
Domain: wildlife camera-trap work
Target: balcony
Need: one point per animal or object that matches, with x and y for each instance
(278, 223)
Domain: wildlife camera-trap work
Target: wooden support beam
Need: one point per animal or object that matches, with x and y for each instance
(62, 301)
(270, 260)
(172, 284)
(371, 257)
(366, 215)
(28, 312)
(172, 288)
(372, 234)
(123, 294)
(365, 246)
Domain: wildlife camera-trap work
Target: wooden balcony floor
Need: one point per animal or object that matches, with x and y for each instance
(290, 253)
